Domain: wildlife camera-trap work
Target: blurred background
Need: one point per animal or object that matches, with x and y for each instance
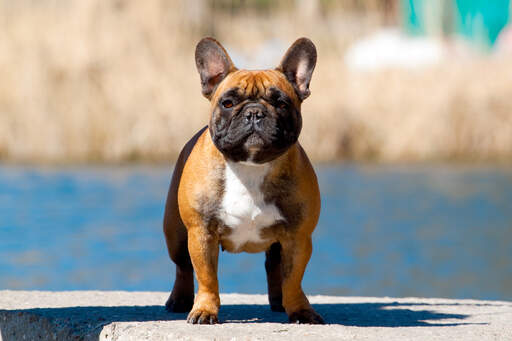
(409, 126)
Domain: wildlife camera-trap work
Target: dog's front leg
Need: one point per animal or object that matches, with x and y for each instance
(204, 253)
(295, 256)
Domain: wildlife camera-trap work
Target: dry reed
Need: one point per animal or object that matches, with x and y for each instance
(115, 81)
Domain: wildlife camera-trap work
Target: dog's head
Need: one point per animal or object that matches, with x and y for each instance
(255, 115)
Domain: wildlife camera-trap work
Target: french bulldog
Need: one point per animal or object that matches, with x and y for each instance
(244, 184)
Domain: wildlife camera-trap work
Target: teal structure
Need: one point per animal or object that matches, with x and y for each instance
(479, 21)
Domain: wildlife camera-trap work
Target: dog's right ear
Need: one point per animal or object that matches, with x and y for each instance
(298, 64)
(213, 64)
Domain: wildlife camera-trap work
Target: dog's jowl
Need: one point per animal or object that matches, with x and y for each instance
(244, 184)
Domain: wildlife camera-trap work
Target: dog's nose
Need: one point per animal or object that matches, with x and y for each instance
(254, 112)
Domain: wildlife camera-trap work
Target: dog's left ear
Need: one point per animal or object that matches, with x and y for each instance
(298, 64)
(213, 64)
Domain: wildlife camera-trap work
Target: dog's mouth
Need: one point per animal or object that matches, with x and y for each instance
(254, 142)
(246, 141)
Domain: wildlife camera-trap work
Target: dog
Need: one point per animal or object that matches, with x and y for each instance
(245, 184)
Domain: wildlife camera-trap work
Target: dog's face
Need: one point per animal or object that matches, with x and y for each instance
(255, 115)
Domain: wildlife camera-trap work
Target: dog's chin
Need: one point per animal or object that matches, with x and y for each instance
(256, 147)
(254, 143)
(260, 152)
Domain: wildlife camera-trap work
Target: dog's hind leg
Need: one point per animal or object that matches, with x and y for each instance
(182, 295)
(274, 277)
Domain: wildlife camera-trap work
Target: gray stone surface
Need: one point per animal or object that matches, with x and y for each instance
(113, 315)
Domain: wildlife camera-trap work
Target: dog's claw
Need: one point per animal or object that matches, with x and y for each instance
(306, 316)
(202, 317)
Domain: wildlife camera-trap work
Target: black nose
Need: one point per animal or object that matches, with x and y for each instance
(254, 112)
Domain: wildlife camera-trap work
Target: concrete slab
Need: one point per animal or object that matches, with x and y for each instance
(114, 315)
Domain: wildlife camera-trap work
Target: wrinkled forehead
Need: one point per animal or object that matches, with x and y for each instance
(256, 84)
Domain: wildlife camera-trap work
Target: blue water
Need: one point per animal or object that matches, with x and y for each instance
(443, 231)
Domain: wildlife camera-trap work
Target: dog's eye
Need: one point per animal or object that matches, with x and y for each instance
(282, 105)
(227, 103)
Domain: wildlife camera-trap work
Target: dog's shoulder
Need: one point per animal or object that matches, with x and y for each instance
(189, 146)
(201, 177)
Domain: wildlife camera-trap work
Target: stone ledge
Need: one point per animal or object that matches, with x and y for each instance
(115, 315)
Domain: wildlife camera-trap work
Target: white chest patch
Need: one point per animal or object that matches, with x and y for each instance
(243, 207)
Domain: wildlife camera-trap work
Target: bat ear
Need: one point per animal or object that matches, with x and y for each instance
(298, 64)
(213, 64)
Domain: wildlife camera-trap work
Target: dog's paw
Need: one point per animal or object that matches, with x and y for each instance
(199, 316)
(179, 304)
(307, 316)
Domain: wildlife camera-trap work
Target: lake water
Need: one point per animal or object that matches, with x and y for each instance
(437, 231)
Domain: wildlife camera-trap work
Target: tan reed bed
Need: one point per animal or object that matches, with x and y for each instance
(115, 81)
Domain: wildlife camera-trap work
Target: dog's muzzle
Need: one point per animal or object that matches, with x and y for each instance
(254, 113)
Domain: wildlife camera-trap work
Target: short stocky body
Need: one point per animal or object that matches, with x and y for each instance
(244, 183)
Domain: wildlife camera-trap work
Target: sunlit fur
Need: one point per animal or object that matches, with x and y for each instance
(256, 83)
(215, 200)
